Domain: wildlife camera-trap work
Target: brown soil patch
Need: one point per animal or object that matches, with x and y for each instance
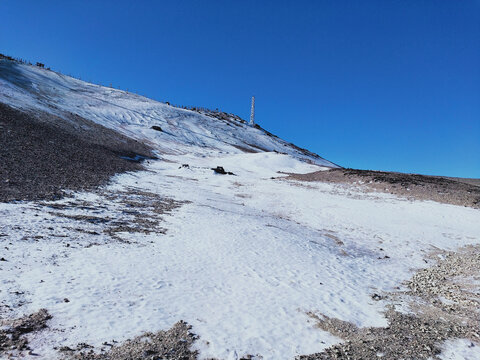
(456, 191)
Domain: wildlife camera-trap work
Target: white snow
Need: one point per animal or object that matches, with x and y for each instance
(460, 349)
(242, 262)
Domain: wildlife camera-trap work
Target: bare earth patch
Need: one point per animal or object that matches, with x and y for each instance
(455, 191)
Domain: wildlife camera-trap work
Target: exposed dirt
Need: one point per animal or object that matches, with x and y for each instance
(456, 191)
(13, 341)
(444, 302)
(42, 154)
(174, 344)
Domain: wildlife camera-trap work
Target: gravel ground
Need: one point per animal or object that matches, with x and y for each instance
(443, 301)
(450, 289)
(456, 191)
(173, 344)
(41, 154)
(406, 337)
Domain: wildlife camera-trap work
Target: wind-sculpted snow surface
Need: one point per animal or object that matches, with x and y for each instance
(243, 260)
(243, 256)
(29, 87)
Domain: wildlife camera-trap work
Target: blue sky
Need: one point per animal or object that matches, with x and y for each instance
(386, 85)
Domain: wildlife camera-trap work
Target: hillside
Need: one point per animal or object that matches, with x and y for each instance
(119, 240)
(31, 88)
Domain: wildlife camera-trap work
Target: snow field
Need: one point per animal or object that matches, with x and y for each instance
(240, 263)
(243, 262)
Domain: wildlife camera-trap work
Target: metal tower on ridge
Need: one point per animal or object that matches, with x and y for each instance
(252, 112)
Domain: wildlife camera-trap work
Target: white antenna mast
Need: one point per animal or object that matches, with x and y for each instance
(252, 112)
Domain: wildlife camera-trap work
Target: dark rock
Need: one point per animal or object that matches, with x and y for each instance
(221, 170)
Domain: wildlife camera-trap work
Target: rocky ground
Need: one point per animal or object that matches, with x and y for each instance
(42, 155)
(173, 344)
(456, 191)
(443, 303)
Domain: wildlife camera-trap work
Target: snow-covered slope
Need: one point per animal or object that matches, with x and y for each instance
(29, 87)
(251, 261)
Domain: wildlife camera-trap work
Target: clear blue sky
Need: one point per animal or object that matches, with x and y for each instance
(387, 85)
